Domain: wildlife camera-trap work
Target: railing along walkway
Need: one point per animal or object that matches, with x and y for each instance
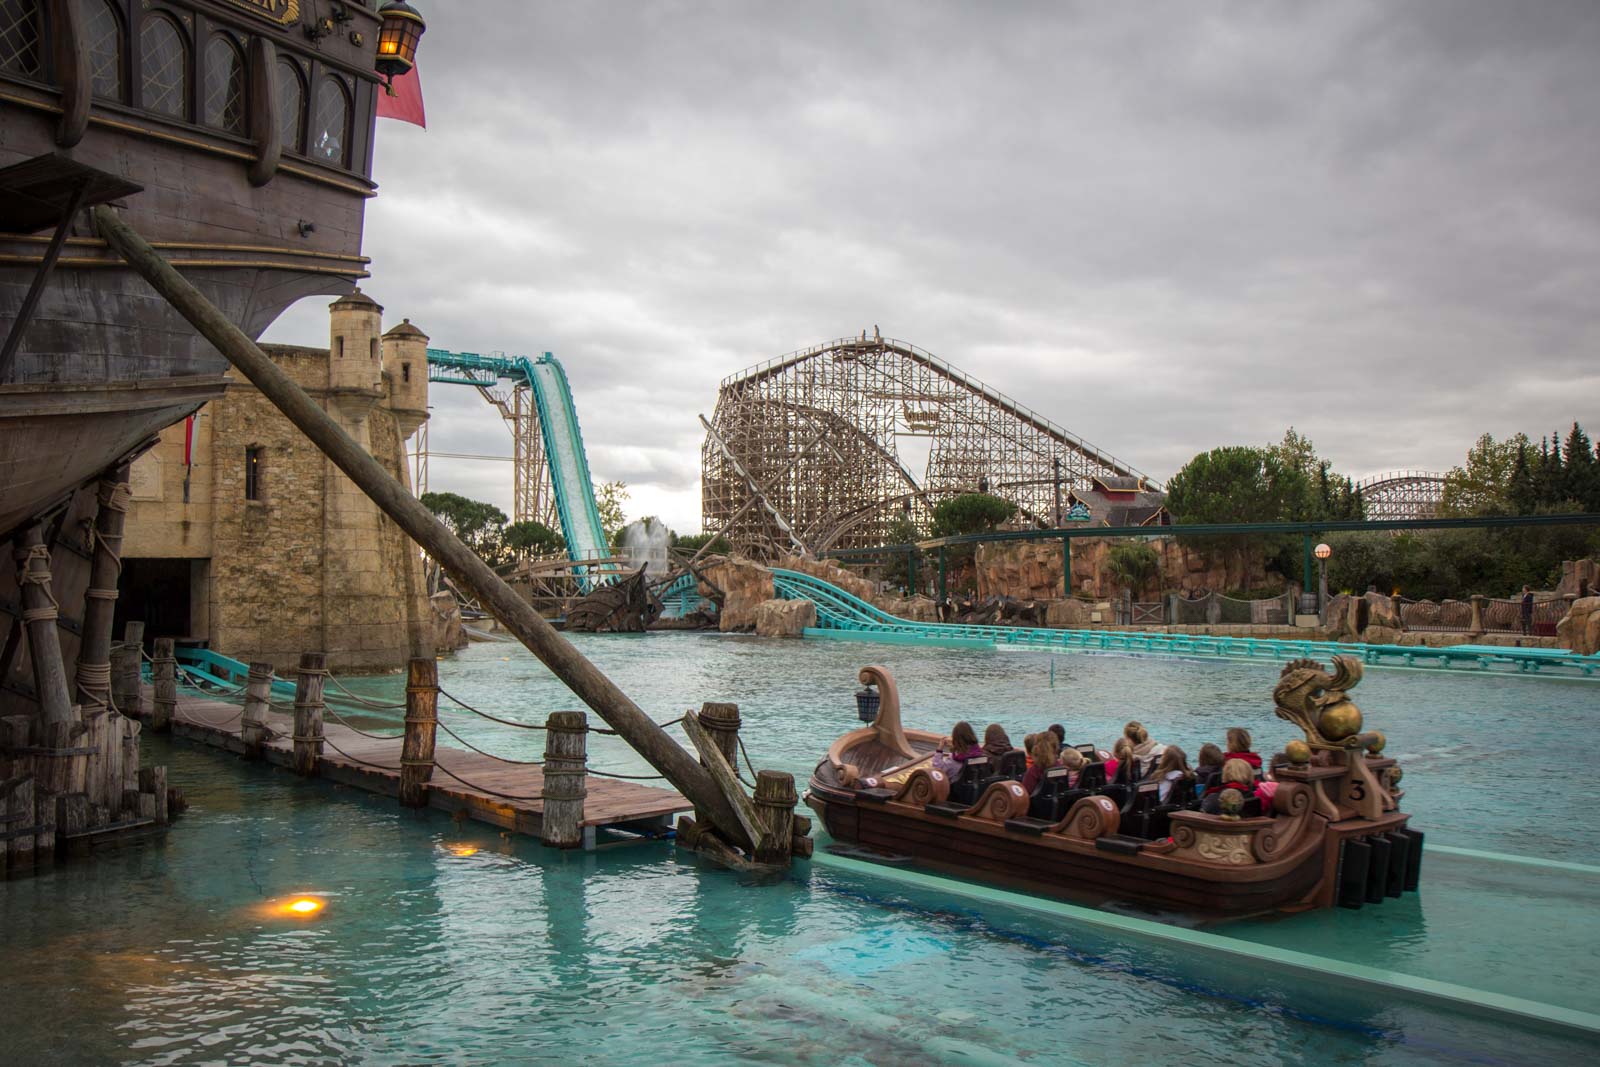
(843, 616)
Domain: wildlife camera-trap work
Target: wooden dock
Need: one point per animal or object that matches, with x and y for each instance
(507, 795)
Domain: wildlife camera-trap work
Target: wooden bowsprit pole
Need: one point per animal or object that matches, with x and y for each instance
(518, 616)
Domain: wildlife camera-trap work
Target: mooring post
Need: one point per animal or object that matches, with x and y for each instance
(422, 728)
(1476, 625)
(308, 713)
(721, 722)
(775, 800)
(164, 667)
(257, 697)
(126, 688)
(565, 783)
(39, 619)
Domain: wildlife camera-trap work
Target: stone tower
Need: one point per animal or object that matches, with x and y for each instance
(405, 361)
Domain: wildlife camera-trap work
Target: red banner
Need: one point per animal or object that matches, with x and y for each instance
(406, 102)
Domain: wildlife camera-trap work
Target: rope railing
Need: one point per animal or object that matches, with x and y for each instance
(359, 699)
(486, 715)
(356, 729)
(491, 755)
(357, 759)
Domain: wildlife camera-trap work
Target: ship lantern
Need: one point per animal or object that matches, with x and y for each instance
(867, 701)
(403, 26)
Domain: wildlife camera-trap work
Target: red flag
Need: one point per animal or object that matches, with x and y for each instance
(188, 441)
(404, 100)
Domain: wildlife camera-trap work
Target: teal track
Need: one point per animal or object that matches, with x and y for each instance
(843, 616)
(559, 432)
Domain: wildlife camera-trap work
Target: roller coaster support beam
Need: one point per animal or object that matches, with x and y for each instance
(581, 676)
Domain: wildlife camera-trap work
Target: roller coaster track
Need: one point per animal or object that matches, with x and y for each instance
(843, 616)
(570, 481)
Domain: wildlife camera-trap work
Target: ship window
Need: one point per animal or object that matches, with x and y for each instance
(338, 347)
(372, 348)
(164, 61)
(330, 130)
(103, 29)
(19, 37)
(224, 85)
(291, 105)
(252, 473)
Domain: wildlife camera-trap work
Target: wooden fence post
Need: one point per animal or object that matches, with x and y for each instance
(1476, 625)
(422, 729)
(775, 800)
(164, 666)
(565, 784)
(308, 713)
(126, 684)
(257, 697)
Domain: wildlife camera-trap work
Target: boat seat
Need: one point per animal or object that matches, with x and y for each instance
(1032, 827)
(973, 781)
(1119, 843)
(1093, 777)
(1143, 799)
(1047, 801)
(948, 808)
(1089, 752)
(1252, 808)
(875, 796)
(1014, 764)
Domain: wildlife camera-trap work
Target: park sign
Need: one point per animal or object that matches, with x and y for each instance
(283, 12)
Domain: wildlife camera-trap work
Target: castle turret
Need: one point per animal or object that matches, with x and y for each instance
(354, 351)
(405, 361)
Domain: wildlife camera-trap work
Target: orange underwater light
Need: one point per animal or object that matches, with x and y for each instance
(303, 906)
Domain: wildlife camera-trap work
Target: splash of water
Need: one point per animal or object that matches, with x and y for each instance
(645, 543)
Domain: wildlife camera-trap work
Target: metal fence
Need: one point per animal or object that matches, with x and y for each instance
(1505, 616)
(1216, 609)
(1426, 615)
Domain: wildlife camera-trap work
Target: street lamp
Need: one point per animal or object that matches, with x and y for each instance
(402, 27)
(1322, 552)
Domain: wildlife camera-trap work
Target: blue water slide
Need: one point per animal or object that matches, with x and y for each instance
(562, 439)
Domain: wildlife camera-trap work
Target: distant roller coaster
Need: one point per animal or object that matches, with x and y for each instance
(800, 453)
(1402, 494)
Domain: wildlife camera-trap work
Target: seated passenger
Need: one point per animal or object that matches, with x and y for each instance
(1209, 764)
(1146, 751)
(1074, 762)
(956, 750)
(1239, 748)
(1173, 768)
(995, 741)
(1027, 746)
(1044, 757)
(1236, 774)
(1060, 732)
(1122, 765)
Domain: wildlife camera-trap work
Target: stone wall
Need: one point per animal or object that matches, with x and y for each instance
(1580, 630)
(1579, 577)
(741, 586)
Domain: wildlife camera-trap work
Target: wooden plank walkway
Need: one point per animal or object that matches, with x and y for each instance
(374, 765)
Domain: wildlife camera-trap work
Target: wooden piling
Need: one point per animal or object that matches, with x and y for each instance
(128, 659)
(775, 800)
(257, 698)
(18, 825)
(422, 728)
(308, 713)
(565, 758)
(39, 617)
(400, 505)
(164, 669)
(153, 783)
(100, 598)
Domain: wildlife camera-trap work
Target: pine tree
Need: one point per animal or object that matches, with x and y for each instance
(1579, 478)
(1522, 494)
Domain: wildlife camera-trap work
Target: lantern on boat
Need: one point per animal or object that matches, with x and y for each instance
(867, 701)
(403, 26)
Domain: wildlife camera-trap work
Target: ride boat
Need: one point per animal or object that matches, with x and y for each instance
(1332, 834)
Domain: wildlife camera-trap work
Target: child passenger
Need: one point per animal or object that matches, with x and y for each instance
(1044, 758)
(1145, 750)
(1236, 774)
(1209, 764)
(1239, 748)
(1122, 757)
(1173, 768)
(995, 741)
(961, 746)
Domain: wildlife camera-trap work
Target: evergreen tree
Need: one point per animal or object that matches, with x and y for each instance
(1521, 492)
(1579, 478)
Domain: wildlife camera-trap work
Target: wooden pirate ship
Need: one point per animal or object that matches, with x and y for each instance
(237, 137)
(1332, 834)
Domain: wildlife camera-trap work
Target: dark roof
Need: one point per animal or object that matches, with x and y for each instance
(405, 329)
(356, 299)
(1119, 484)
(1148, 507)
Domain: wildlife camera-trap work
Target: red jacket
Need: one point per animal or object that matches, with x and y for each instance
(1249, 757)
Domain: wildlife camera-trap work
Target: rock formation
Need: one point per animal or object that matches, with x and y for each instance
(738, 586)
(784, 618)
(1580, 630)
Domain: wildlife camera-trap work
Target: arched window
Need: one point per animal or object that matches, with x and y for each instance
(330, 130)
(372, 348)
(291, 105)
(19, 37)
(164, 64)
(224, 85)
(103, 29)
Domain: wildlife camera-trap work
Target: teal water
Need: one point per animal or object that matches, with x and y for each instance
(446, 943)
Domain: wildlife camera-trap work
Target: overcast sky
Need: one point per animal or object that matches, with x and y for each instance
(1166, 226)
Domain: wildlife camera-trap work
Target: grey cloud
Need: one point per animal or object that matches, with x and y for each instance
(1166, 226)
